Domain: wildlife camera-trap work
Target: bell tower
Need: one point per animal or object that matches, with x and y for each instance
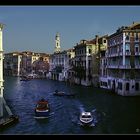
(57, 43)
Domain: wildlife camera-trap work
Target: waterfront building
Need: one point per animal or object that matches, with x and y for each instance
(87, 59)
(24, 63)
(12, 63)
(123, 61)
(40, 67)
(59, 62)
(82, 62)
(59, 65)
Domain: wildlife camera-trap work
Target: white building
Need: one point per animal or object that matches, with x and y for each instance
(59, 65)
(59, 62)
(123, 61)
(12, 63)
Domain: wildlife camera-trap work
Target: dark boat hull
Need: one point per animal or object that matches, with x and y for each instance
(64, 94)
(9, 121)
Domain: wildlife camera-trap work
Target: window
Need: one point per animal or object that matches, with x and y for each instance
(89, 51)
(109, 82)
(120, 85)
(136, 86)
(127, 86)
(127, 47)
(104, 41)
(127, 37)
(89, 63)
(121, 48)
(136, 48)
(127, 61)
(136, 37)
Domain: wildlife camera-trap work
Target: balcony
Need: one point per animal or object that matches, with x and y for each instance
(112, 66)
(125, 66)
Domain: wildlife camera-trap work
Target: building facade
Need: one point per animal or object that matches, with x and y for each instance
(82, 64)
(123, 61)
(25, 63)
(59, 65)
(12, 64)
(86, 63)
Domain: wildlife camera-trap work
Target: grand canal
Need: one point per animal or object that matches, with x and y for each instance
(113, 114)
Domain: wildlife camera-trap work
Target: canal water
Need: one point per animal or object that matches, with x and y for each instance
(113, 114)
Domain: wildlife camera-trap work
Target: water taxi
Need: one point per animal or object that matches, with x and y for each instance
(42, 109)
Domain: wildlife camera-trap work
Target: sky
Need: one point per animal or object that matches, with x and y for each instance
(33, 28)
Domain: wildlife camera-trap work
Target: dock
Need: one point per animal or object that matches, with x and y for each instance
(9, 119)
(6, 122)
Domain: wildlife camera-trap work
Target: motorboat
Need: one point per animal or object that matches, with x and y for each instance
(86, 118)
(42, 109)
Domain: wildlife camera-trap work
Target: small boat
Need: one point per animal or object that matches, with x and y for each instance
(86, 118)
(42, 109)
(59, 93)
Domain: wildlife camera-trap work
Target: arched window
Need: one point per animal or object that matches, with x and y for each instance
(127, 86)
(136, 86)
(127, 36)
(136, 36)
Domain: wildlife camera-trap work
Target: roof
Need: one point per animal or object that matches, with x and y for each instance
(133, 27)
